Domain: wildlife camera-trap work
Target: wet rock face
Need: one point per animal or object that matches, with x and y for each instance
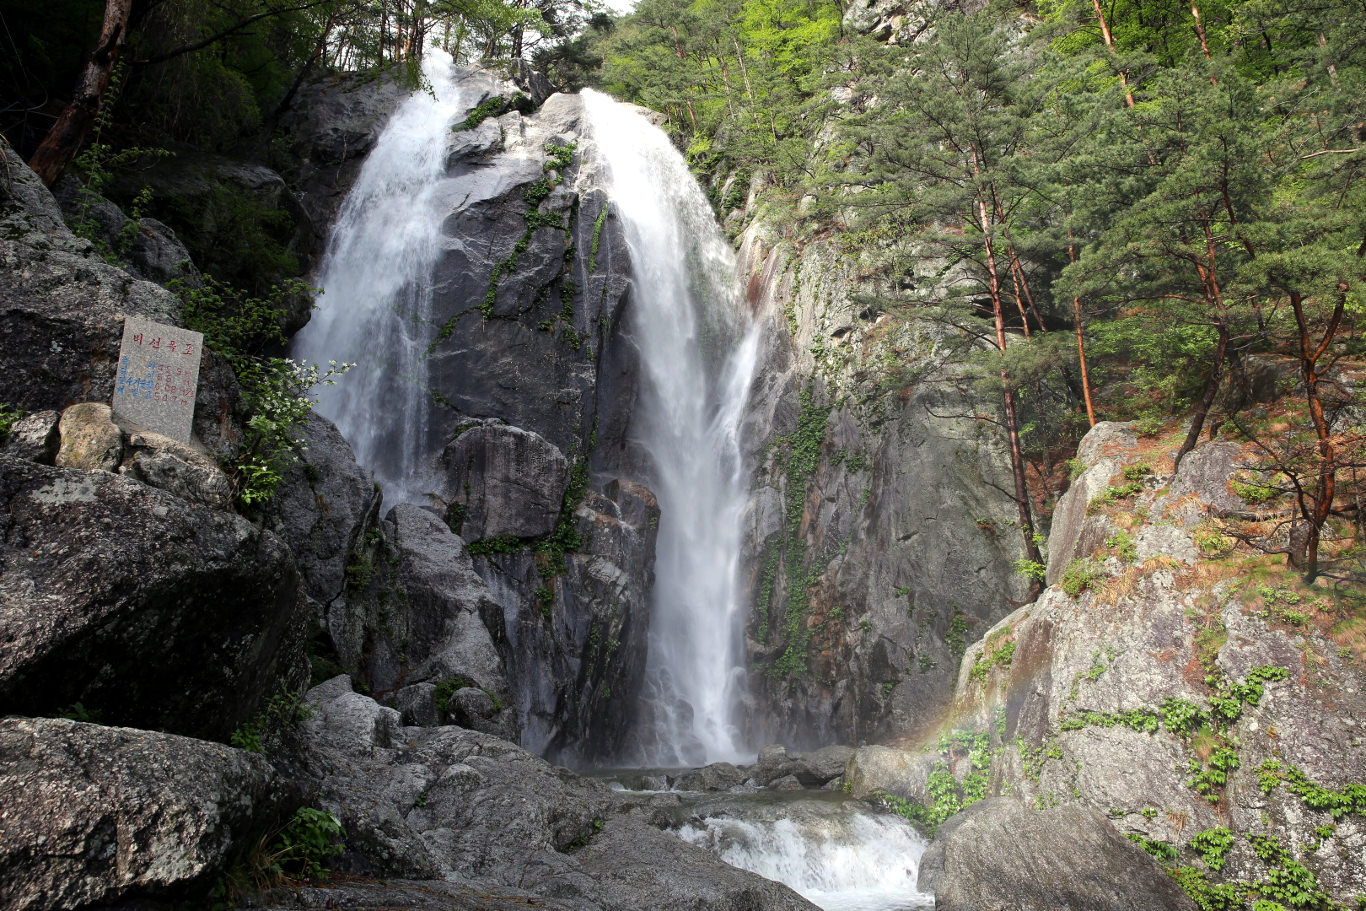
(422, 626)
(94, 814)
(504, 481)
(577, 646)
(329, 129)
(100, 572)
(999, 855)
(877, 542)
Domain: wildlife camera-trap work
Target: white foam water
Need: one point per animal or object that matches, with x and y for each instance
(697, 353)
(849, 859)
(376, 278)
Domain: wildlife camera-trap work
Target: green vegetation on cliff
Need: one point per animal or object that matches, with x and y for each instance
(1127, 211)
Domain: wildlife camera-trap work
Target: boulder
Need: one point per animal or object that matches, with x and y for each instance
(812, 770)
(34, 437)
(719, 776)
(459, 805)
(503, 480)
(99, 572)
(94, 814)
(881, 769)
(176, 468)
(324, 507)
(999, 855)
(90, 440)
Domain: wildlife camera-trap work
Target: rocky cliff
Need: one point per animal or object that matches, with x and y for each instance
(878, 542)
(138, 602)
(1199, 696)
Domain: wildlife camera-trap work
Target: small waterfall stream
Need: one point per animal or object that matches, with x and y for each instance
(377, 289)
(837, 855)
(697, 353)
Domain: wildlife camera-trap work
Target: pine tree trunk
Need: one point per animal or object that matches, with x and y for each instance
(1017, 466)
(63, 141)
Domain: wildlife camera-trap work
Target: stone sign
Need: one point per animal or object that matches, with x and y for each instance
(157, 378)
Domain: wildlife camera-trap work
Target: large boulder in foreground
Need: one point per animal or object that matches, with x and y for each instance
(142, 608)
(999, 855)
(90, 815)
(463, 806)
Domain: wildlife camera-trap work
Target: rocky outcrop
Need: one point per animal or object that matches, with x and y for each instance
(93, 815)
(473, 809)
(324, 508)
(61, 317)
(101, 572)
(877, 541)
(147, 248)
(504, 481)
(328, 130)
(531, 379)
(1196, 696)
(1000, 855)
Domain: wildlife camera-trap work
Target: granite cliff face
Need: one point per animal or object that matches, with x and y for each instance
(878, 543)
(530, 382)
(134, 595)
(1192, 695)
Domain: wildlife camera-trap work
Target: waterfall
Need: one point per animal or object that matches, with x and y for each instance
(377, 292)
(839, 856)
(697, 354)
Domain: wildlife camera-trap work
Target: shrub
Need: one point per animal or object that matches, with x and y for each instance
(1079, 575)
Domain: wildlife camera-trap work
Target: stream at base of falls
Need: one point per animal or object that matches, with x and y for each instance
(836, 852)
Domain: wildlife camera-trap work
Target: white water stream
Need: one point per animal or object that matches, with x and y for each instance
(377, 289)
(697, 352)
(845, 860)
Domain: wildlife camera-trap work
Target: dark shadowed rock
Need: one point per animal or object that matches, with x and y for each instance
(148, 248)
(503, 480)
(326, 503)
(130, 601)
(999, 855)
(34, 438)
(93, 814)
(487, 815)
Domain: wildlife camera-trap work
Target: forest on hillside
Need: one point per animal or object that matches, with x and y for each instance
(1121, 210)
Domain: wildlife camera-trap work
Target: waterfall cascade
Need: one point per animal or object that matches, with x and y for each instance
(377, 287)
(836, 853)
(697, 353)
